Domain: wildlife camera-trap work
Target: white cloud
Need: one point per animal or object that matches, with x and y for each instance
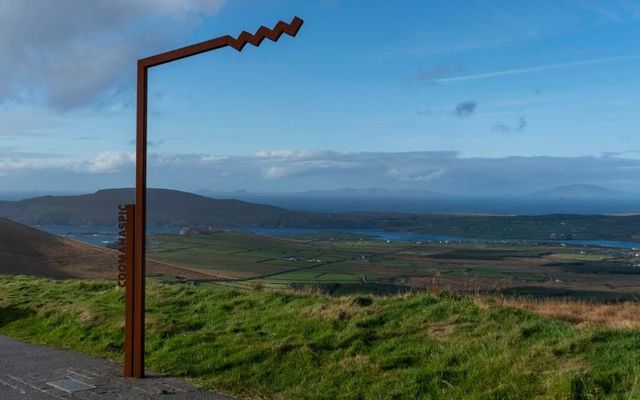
(209, 159)
(433, 176)
(8, 166)
(71, 53)
(284, 163)
(11, 164)
(111, 161)
(284, 154)
(274, 172)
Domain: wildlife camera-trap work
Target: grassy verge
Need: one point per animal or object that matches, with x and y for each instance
(304, 346)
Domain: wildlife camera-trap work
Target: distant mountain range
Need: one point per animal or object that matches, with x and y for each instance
(175, 208)
(369, 192)
(347, 192)
(576, 191)
(574, 199)
(583, 191)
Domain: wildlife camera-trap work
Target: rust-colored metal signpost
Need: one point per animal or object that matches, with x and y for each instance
(291, 29)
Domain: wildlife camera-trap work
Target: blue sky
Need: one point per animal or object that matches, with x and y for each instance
(492, 96)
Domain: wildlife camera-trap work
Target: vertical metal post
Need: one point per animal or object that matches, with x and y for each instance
(129, 289)
(140, 223)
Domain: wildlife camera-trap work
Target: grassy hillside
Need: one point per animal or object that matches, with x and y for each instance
(28, 251)
(305, 346)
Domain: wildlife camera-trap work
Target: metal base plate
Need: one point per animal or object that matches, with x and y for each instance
(70, 385)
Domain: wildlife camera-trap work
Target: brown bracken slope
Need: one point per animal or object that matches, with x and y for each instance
(28, 251)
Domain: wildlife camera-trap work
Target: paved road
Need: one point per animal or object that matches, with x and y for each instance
(27, 371)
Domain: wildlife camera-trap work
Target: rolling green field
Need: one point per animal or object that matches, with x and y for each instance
(341, 263)
(288, 345)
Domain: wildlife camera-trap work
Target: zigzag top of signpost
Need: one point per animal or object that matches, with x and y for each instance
(238, 43)
(263, 32)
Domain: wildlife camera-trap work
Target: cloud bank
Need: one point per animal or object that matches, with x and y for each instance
(293, 171)
(69, 53)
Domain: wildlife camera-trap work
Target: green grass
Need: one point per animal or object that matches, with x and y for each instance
(284, 345)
